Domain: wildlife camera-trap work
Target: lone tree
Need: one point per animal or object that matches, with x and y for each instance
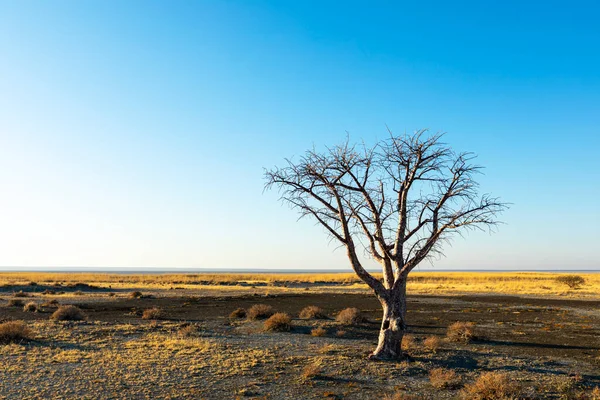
(400, 200)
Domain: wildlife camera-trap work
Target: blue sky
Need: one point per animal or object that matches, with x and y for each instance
(134, 133)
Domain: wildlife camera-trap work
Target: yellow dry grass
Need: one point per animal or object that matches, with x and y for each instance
(518, 283)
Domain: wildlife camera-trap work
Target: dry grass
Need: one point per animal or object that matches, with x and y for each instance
(14, 332)
(409, 343)
(318, 332)
(50, 303)
(312, 312)
(441, 378)
(152, 313)
(30, 307)
(238, 313)
(187, 331)
(529, 283)
(312, 370)
(68, 313)
(260, 311)
(135, 295)
(461, 332)
(350, 316)
(278, 322)
(492, 386)
(432, 343)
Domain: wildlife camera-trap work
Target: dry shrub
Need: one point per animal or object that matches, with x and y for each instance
(14, 332)
(312, 312)
(152, 313)
(238, 313)
(409, 343)
(15, 303)
(312, 370)
(68, 313)
(20, 293)
(279, 322)
(260, 311)
(50, 303)
(187, 331)
(135, 295)
(318, 332)
(491, 386)
(350, 316)
(441, 378)
(30, 307)
(340, 333)
(461, 332)
(78, 293)
(572, 281)
(432, 343)
(112, 294)
(595, 393)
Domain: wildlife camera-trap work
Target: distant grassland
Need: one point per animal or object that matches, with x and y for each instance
(518, 283)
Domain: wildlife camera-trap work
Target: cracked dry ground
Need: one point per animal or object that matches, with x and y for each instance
(197, 352)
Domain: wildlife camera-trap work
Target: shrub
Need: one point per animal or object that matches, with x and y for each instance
(152, 313)
(409, 343)
(279, 322)
(460, 332)
(312, 312)
(318, 332)
(68, 313)
(20, 293)
(112, 294)
(432, 343)
(491, 386)
(135, 295)
(350, 316)
(340, 333)
(15, 303)
(595, 393)
(441, 378)
(30, 307)
(398, 396)
(572, 281)
(78, 293)
(312, 370)
(260, 311)
(48, 291)
(238, 313)
(14, 332)
(50, 303)
(187, 331)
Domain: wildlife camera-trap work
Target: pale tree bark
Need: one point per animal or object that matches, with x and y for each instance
(399, 200)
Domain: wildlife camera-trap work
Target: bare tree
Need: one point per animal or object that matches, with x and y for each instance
(400, 200)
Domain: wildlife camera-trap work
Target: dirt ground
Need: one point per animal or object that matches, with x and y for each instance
(550, 347)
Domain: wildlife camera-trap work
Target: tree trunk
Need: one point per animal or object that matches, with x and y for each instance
(393, 326)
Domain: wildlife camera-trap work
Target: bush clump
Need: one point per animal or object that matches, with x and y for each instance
(278, 322)
(15, 303)
(318, 332)
(491, 386)
(461, 332)
(441, 378)
(260, 311)
(50, 303)
(30, 307)
(432, 343)
(350, 316)
(238, 313)
(20, 293)
(409, 343)
(14, 332)
(572, 281)
(312, 312)
(135, 295)
(312, 370)
(68, 313)
(152, 313)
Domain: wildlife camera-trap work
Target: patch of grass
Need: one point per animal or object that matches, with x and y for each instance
(187, 331)
(432, 343)
(30, 307)
(318, 332)
(153, 313)
(14, 332)
(278, 322)
(441, 378)
(260, 311)
(312, 312)
(312, 370)
(492, 386)
(135, 295)
(15, 303)
(238, 313)
(350, 316)
(409, 343)
(461, 332)
(68, 313)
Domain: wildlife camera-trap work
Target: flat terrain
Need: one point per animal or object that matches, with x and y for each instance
(549, 346)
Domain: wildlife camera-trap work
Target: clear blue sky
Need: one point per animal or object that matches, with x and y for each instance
(134, 133)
